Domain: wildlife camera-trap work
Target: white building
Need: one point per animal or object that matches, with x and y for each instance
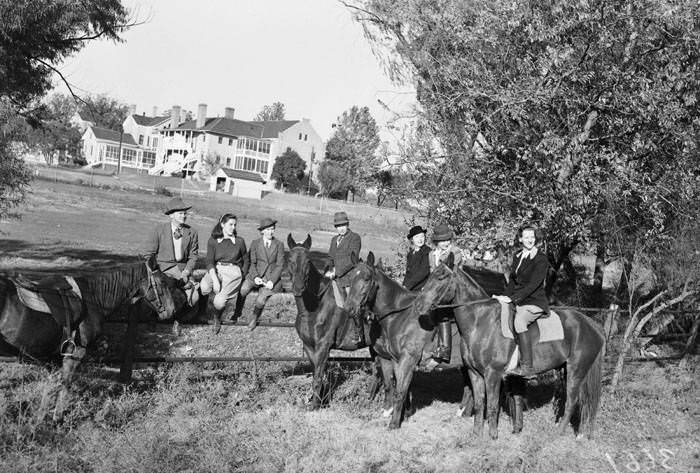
(238, 183)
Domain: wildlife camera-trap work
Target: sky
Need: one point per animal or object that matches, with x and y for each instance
(308, 54)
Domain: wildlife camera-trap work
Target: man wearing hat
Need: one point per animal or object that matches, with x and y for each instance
(266, 264)
(343, 245)
(417, 260)
(173, 246)
(442, 237)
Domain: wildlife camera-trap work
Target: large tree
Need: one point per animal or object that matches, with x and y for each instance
(288, 171)
(545, 110)
(35, 37)
(353, 147)
(104, 111)
(271, 112)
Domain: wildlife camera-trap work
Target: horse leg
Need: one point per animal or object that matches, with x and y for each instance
(404, 374)
(320, 382)
(315, 401)
(515, 388)
(466, 405)
(69, 365)
(493, 398)
(479, 388)
(387, 369)
(573, 386)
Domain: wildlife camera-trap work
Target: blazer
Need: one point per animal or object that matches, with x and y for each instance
(159, 247)
(266, 263)
(417, 268)
(526, 285)
(457, 252)
(341, 256)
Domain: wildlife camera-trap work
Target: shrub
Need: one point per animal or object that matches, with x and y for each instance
(162, 190)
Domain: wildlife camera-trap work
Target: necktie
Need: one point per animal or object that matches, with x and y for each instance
(267, 244)
(177, 234)
(340, 238)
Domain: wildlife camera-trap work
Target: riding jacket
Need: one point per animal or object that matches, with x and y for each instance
(526, 281)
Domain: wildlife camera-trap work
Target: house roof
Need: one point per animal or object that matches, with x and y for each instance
(149, 121)
(112, 135)
(245, 175)
(272, 128)
(225, 126)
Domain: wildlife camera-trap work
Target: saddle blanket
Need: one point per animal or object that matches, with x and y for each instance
(339, 294)
(550, 327)
(61, 297)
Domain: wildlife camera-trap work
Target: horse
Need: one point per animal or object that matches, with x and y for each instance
(486, 351)
(403, 332)
(320, 323)
(57, 315)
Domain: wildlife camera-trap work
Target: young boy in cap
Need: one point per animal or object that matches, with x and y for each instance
(266, 264)
(343, 245)
(173, 246)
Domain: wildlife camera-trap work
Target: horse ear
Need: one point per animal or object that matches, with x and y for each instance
(370, 259)
(307, 242)
(380, 265)
(353, 258)
(450, 262)
(290, 241)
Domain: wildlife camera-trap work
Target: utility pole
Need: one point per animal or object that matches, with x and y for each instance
(119, 154)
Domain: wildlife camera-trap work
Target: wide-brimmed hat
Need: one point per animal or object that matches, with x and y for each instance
(266, 223)
(176, 205)
(442, 232)
(340, 218)
(417, 230)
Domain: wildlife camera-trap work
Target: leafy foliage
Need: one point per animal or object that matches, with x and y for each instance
(274, 111)
(353, 147)
(288, 171)
(104, 111)
(544, 110)
(334, 179)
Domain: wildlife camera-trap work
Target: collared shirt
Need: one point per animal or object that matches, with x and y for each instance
(526, 254)
(177, 242)
(267, 243)
(232, 238)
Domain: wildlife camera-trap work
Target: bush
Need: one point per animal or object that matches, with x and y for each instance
(162, 190)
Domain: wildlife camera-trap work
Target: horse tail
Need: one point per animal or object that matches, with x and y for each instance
(590, 393)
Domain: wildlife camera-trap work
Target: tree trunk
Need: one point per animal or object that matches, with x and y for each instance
(598, 272)
(691, 342)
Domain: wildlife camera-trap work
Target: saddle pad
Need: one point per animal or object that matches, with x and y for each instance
(550, 327)
(339, 294)
(55, 298)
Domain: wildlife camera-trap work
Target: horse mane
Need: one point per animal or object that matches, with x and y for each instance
(110, 289)
(396, 292)
(491, 282)
(461, 273)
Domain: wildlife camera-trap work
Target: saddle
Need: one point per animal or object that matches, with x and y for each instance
(547, 329)
(55, 295)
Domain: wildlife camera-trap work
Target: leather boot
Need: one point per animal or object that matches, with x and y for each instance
(253, 322)
(443, 352)
(213, 316)
(525, 368)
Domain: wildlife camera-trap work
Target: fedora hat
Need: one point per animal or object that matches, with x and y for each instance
(417, 230)
(266, 223)
(340, 218)
(176, 205)
(442, 232)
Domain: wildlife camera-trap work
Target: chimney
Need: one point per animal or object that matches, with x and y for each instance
(155, 111)
(175, 117)
(132, 109)
(228, 112)
(201, 115)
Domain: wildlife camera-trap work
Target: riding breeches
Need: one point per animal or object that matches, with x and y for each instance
(230, 278)
(525, 315)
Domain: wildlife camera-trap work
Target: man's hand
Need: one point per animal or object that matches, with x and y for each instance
(502, 299)
(185, 276)
(330, 274)
(258, 281)
(269, 285)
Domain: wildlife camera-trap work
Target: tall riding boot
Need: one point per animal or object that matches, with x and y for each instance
(253, 322)
(525, 366)
(214, 316)
(443, 352)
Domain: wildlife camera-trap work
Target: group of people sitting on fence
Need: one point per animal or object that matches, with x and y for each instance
(234, 270)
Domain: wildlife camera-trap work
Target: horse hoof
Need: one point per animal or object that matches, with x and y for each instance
(387, 412)
(216, 328)
(461, 411)
(394, 426)
(312, 407)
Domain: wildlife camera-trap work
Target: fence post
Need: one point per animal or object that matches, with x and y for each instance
(128, 347)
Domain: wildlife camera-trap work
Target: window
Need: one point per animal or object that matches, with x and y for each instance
(264, 147)
(128, 155)
(154, 143)
(228, 162)
(261, 166)
(148, 159)
(230, 141)
(249, 164)
(306, 137)
(299, 135)
(148, 141)
(140, 140)
(112, 153)
(239, 162)
(221, 139)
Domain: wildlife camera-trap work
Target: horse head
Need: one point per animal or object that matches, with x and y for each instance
(440, 288)
(299, 263)
(157, 289)
(363, 286)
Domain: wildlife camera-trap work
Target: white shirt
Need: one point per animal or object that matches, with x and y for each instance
(177, 243)
(526, 254)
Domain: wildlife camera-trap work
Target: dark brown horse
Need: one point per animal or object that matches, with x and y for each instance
(403, 332)
(78, 307)
(320, 323)
(486, 352)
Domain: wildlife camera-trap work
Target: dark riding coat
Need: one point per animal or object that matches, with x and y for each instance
(266, 263)
(417, 268)
(341, 256)
(160, 246)
(526, 285)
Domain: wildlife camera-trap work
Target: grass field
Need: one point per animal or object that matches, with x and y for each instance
(251, 417)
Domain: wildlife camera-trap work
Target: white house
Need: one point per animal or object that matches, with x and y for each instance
(102, 147)
(238, 183)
